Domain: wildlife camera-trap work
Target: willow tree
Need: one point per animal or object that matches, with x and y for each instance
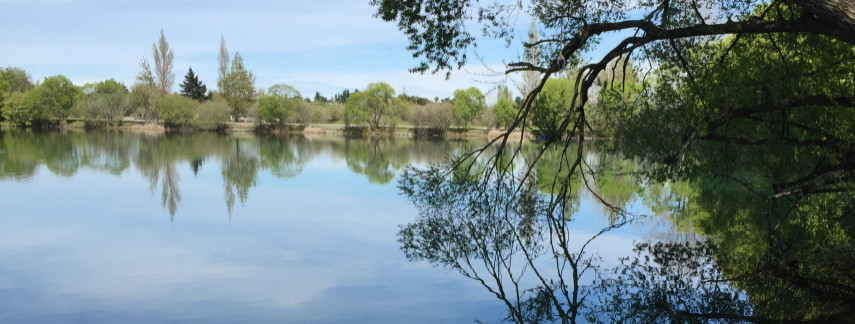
(440, 34)
(758, 94)
(376, 105)
(683, 44)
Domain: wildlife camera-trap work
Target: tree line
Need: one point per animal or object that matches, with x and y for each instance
(109, 103)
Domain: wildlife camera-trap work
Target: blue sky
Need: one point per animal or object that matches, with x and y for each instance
(323, 46)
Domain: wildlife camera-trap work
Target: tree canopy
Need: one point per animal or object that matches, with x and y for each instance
(238, 87)
(17, 79)
(277, 105)
(376, 105)
(467, 104)
(53, 98)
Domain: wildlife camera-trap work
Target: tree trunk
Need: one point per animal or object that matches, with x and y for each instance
(839, 15)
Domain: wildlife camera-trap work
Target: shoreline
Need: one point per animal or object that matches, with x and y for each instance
(311, 130)
(315, 130)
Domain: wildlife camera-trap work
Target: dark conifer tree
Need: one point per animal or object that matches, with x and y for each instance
(193, 88)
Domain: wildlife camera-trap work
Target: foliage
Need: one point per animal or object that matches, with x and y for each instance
(238, 88)
(4, 93)
(53, 98)
(439, 31)
(109, 86)
(342, 97)
(619, 98)
(18, 109)
(17, 79)
(436, 31)
(376, 105)
(467, 104)
(506, 111)
(176, 110)
(193, 88)
(278, 104)
(319, 98)
(284, 90)
(552, 107)
(104, 102)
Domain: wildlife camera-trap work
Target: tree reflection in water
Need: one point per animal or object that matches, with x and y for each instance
(240, 173)
(160, 159)
(753, 260)
(498, 228)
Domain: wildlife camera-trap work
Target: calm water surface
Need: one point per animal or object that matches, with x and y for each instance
(130, 228)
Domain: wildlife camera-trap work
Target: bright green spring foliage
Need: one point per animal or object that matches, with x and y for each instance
(16, 78)
(467, 104)
(377, 106)
(553, 107)
(763, 127)
(176, 110)
(620, 98)
(506, 109)
(277, 105)
(53, 98)
(17, 109)
(239, 88)
(777, 103)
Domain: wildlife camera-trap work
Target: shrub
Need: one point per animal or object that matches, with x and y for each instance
(176, 110)
(211, 115)
(435, 117)
(486, 118)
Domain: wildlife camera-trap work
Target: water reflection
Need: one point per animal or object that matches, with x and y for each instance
(727, 254)
(158, 157)
(314, 242)
(715, 251)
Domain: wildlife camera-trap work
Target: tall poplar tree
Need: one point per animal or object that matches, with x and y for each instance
(223, 61)
(163, 59)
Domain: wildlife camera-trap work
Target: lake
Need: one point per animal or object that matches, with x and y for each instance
(105, 227)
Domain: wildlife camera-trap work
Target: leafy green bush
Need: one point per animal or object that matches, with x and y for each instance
(176, 110)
